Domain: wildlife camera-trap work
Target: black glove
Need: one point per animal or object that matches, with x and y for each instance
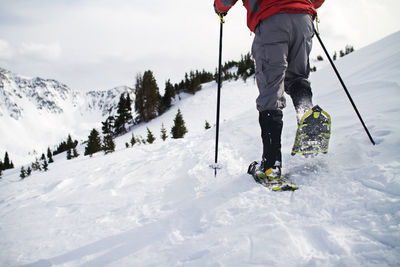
(222, 14)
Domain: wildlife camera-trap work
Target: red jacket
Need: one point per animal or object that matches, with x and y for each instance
(257, 10)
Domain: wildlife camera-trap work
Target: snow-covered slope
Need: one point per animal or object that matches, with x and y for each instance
(34, 108)
(160, 204)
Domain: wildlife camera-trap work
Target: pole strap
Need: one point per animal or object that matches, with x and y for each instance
(317, 22)
(221, 18)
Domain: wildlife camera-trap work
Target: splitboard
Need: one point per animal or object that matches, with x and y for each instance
(313, 133)
(282, 184)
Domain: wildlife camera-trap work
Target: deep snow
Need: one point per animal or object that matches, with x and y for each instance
(160, 204)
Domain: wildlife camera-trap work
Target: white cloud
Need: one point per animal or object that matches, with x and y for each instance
(91, 44)
(5, 50)
(48, 52)
(358, 22)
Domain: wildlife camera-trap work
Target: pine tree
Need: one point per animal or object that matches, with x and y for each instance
(45, 165)
(69, 154)
(70, 143)
(1, 166)
(7, 165)
(75, 153)
(207, 126)
(33, 165)
(119, 125)
(108, 144)
(64, 146)
(179, 129)
(147, 97)
(349, 49)
(150, 137)
(23, 173)
(128, 108)
(246, 67)
(1, 173)
(139, 97)
(133, 140)
(29, 171)
(94, 143)
(36, 165)
(166, 100)
(50, 155)
(124, 114)
(196, 84)
(245, 76)
(108, 125)
(164, 135)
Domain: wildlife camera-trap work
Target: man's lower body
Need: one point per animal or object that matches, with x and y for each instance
(281, 49)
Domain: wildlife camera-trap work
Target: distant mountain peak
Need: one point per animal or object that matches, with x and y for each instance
(49, 95)
(40, 112)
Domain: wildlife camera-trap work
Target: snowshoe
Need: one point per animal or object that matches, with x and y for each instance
(313, 133)
(274, 183)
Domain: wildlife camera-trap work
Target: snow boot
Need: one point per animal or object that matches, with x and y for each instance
(271, 130)
(300, 92)
(271, 174)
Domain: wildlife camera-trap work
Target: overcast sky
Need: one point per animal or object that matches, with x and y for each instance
(100, 44)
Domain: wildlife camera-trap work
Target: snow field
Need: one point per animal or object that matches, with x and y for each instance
(160, 204)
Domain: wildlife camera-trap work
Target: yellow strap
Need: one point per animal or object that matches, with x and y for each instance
(316, 23)
(221, 18)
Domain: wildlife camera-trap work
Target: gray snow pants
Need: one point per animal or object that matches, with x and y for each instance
(281, 47)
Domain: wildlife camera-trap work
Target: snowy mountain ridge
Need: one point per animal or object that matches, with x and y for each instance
(161, 205)
(33, 107)
(51, 96)
(44, 94)
(106, 101)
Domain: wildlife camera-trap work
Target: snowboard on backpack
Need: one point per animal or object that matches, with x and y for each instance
(282, 184)
(313, 133)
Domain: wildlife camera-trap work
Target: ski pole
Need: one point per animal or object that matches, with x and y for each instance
(215, 167)
(344, 87)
